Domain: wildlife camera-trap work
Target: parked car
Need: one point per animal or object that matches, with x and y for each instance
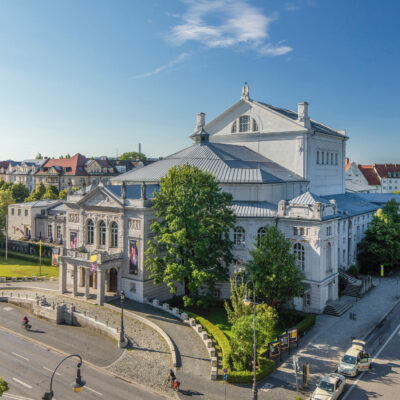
(356, 359)
(330, 387)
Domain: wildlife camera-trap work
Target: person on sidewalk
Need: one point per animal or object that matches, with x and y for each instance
(176, 385)
(171, 378)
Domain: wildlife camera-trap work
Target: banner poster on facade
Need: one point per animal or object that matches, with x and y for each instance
(133, 257)
(293, 338)
(274, 349)
(55, 256)
(284, 339)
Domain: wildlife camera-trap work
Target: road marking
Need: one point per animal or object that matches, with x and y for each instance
(376, 356)
(267, 387)
(22, 383)
(15, 397)
(7, 308)
(48, 369)
(87, 387)
(18, 355)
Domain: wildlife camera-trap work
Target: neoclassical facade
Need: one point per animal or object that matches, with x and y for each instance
(281, 167)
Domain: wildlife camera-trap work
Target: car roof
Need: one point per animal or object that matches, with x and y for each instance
(353, 351)
(331, 378)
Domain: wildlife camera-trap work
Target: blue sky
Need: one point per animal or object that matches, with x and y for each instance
(98, 77)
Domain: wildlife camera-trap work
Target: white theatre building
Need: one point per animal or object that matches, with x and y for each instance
(282, 168)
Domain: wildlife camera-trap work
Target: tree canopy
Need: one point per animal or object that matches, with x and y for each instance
(20, 192)
(38, 156)
(6, 199)
(37, 194)
(132, 155)
(51, 193)
(381, 242)
(273, 268)
(3, 386)
(191, 243)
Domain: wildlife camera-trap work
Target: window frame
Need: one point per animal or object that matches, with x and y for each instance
(299, 253)
(239, 236)
(114, 234)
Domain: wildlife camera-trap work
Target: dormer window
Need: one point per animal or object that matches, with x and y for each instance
(244, 123)
(255, 125)
(234, 127)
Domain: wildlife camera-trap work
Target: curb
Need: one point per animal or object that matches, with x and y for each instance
(380, 321)
(88, 363)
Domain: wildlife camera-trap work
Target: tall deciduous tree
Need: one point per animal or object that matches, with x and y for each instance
(273, 269)
(6, 199)
(191, 243)
(38, 193)
(381, 243)
(51, 193)
(20, 192)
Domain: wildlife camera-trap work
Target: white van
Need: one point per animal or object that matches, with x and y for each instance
(355, 359)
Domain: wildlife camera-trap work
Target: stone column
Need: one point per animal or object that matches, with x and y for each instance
(100, 287)
(63, 277)
(75, 281)
(81, 276)
(87, 281)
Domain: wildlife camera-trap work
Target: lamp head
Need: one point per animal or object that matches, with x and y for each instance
(122, 295)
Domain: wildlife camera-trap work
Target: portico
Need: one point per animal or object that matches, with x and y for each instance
(100, 273)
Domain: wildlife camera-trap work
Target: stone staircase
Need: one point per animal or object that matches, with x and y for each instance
(353, 287)
(337, 308)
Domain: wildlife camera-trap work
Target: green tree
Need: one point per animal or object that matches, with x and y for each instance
(6, 199)
(38, 156)
(242, 335)
(63, 194)
(273, 268)
(236, 308)
(381, 242)
(191, 242)
(51, 193)
(3, 386)
(37, 194)
(20, 192)
(132, 155)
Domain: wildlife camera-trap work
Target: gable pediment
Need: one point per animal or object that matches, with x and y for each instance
(268, 121)
(100, 199)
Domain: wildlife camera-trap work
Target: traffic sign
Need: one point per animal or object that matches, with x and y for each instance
(225, 377)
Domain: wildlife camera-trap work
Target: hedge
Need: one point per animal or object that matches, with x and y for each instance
(219, 336)
(266, 368)
(27, 257)
(305, 324)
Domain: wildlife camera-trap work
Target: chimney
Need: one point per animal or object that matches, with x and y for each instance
(123, 191)
(200, 121)
(140, 147)
(302, 114)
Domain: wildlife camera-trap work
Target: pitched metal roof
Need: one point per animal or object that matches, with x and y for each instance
(133, 192)
(308, 198)
(228, 163)
(378, 198)
(252, 209)
(315, 125)
(350, 204)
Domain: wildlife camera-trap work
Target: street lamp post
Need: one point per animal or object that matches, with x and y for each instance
(247, 301)
(122, 341)
(77, 386)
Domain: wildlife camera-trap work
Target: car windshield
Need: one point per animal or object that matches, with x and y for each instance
(326, 386)
(349, 359)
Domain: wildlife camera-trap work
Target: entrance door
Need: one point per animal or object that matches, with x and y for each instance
(113, 280)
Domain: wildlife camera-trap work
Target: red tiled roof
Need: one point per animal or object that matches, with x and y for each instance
(370, 174)
(384, 169)
(71, 166)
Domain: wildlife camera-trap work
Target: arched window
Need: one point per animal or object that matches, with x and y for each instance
(239, 236)
(255, 125)
(90, 232)
(260, 234)
(234, 127)
(298, 251)
(244, 123)
(102, 233)
(114, 234)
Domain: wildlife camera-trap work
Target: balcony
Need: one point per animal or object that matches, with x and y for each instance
(85, 256)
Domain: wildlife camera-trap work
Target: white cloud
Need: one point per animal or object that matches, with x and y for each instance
(270, 50)
(224, 23)
(172, 63)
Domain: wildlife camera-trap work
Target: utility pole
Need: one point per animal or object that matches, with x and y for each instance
(7, 235)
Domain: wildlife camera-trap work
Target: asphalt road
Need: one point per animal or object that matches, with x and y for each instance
(28, 367)
(384, 379)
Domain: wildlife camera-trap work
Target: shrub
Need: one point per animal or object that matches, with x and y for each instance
(306, 324)
(26, 257)
(215, 333)
(353, 270)
(266, 367)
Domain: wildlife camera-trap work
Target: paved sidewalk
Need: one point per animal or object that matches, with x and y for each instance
(331, 336)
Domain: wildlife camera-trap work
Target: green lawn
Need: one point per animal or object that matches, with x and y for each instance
(18, 268)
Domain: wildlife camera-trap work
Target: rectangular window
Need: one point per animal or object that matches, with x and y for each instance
(331, 158)
(26, 213)
(58, 232)
(322, 158)
(19, 211)
(295, 231)
(42, 212)
(12, 211)
(344, 256)
(49, 232)
(302, 231)
(317, 157)
(335, 158)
